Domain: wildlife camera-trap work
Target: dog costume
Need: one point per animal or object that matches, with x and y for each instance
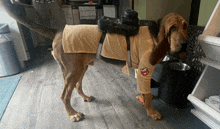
(85, 39)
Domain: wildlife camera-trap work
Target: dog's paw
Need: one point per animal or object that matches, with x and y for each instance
(87, 98)
(76, 117)
(153, 114)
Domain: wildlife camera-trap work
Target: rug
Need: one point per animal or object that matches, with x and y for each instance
(7, 88)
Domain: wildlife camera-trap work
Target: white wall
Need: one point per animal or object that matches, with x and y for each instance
(17, 39)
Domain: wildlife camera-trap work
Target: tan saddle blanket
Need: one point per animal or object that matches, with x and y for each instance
(85, 39)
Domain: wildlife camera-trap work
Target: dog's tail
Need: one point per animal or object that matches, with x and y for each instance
(17, 11)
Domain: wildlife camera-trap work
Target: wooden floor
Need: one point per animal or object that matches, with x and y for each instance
(36, 102)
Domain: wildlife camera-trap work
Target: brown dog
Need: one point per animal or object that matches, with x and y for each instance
(173, 29)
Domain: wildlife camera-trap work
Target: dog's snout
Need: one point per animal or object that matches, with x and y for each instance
(178, 46)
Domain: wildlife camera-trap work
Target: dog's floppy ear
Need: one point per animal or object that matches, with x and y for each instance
(163, 44)
(159, 51)
(162, 32)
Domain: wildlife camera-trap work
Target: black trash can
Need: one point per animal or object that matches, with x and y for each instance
(175, 84)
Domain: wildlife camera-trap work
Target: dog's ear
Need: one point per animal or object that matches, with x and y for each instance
(163, 44)
(161, 35)
(159, 51)
(162, 32)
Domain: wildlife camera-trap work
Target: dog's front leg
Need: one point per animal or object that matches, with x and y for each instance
(147, 99)
(144, 87)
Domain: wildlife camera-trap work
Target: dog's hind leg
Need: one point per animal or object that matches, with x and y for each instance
(72, 67)
(85, 98)
(72, 72)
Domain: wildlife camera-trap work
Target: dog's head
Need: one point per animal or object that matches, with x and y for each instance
(173, 28)
(172, 32)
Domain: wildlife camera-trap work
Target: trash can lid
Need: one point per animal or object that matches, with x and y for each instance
(179, 66)
(4, 28)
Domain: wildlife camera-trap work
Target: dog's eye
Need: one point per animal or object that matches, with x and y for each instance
(172, 29)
